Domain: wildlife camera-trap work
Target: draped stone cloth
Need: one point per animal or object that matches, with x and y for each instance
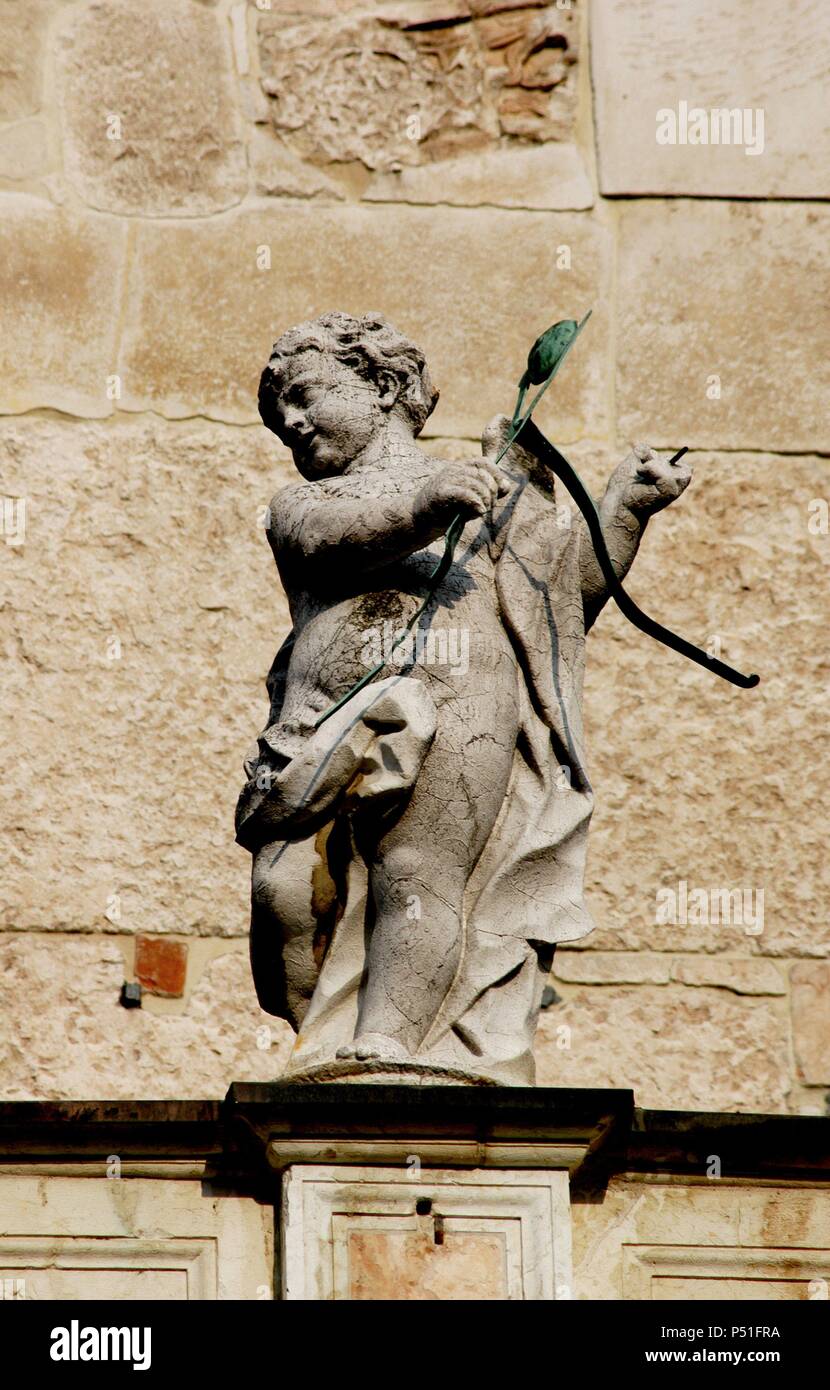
(525, 893)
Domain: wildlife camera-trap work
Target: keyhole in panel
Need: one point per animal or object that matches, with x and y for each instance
(423, 1207)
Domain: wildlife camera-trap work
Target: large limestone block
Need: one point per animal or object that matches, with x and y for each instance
(22, 35)
(677, 1048)
(409, 83)
(139, 630)
(696, 781)
(60, 278)
(810, 983)
(156, 132)
(64, 1034)
(473, 288)
(729, 298)
(649, 56)
(24, 152)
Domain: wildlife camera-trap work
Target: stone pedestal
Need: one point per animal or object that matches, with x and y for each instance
(409, 1192)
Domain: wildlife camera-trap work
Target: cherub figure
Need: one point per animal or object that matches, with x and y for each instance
(419, 852)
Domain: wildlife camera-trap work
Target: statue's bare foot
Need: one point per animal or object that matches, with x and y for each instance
(374, 1047)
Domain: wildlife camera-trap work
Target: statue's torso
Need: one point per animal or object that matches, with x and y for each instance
(341, 633)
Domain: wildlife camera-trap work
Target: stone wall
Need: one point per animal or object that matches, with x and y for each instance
(179, 181)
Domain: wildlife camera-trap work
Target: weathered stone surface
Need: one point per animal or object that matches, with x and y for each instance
(773, 1278)
(98, 1237)
(22, 33)
(277, 172)
(134, 1237)
(238, 20)
(717, 295)
(23, 150)
(740, 976)
(311, 9)
(204, 314)
(141, 658)
(64, 1033)
(58, 1283)
(503, 1234)
(676, 1048)
(808, 1100)
(810, 984)
(156, 132)
(728, 1241)
(60, 277)
(611, 967)
(548, 176)
(403, 84)
(712, 58)
(697, 781)
(399, 1265)
(786, 1216)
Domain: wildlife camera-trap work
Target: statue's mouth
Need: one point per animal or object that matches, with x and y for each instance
(301, 446)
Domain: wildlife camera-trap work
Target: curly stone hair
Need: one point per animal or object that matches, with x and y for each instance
(371, 346)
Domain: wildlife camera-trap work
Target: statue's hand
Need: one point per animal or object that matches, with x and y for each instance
(494, 439)
(468, 486)
(645, 483)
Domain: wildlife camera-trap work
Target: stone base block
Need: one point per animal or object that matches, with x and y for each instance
(353, 1232)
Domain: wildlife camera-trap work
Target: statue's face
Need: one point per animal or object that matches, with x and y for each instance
(326, 413)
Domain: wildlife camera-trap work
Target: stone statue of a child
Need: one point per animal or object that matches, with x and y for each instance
(437, 822)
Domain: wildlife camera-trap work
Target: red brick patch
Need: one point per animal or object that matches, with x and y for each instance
(161, 965)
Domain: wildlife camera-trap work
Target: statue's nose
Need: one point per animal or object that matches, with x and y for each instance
(296, 421)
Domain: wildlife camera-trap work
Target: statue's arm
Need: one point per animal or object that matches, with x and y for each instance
(622, 530)
(644, 483)
(324, 536)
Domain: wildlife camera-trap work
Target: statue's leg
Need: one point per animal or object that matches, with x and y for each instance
(374, 748)
(293, 909)
(420, 868)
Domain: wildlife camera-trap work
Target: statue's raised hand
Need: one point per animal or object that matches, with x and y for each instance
(469, 487)
(645, 482)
